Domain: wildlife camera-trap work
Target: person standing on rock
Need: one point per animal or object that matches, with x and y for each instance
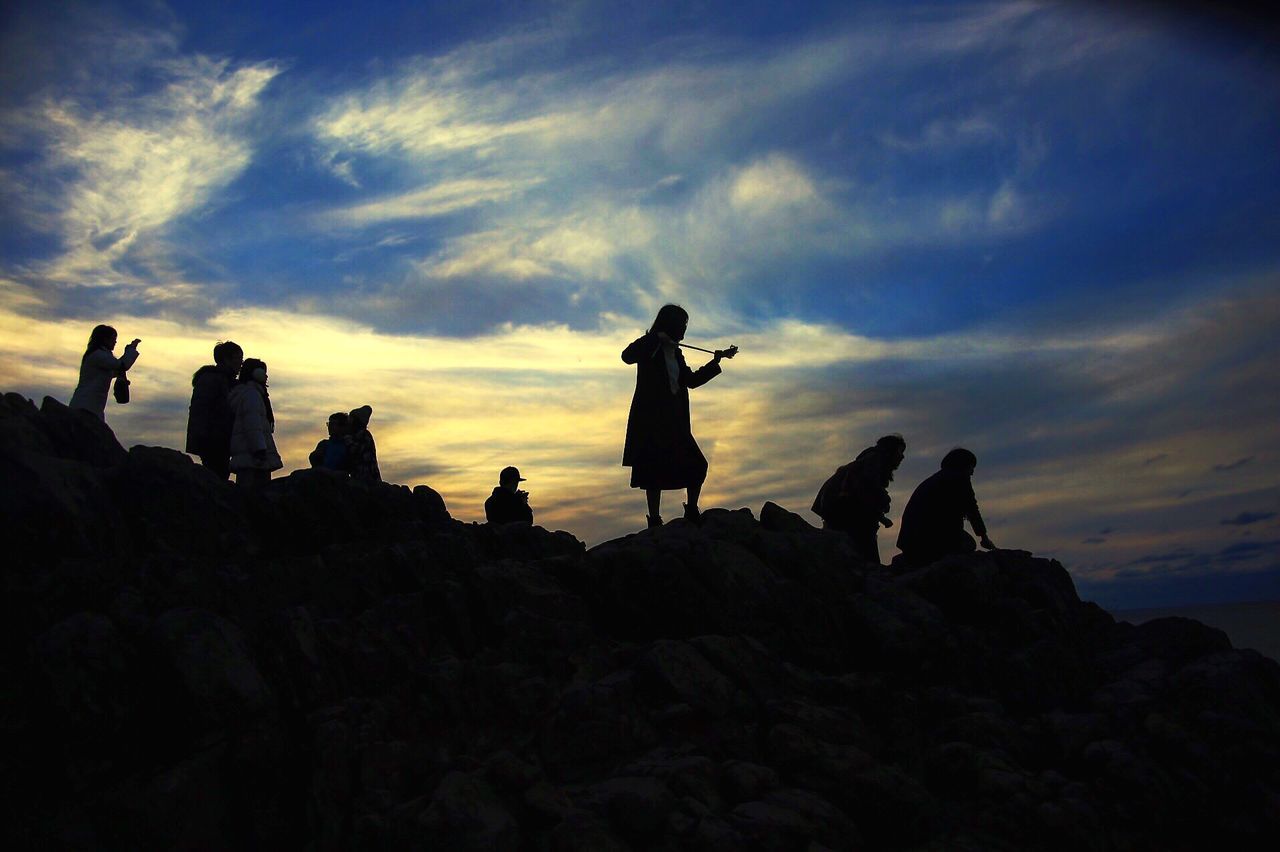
(253, 447)
(660, 449)
(98, 366)
(933, 522)
(508, 504)
(210, 419)
(855, 499)
(362, 459)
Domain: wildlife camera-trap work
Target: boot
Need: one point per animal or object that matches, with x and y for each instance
(654, 520)
(691, 514)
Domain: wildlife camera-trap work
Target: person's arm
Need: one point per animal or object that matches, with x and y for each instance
(130, 355)
(640, 348)
(317, 455)
(975, 517)
(699, 377)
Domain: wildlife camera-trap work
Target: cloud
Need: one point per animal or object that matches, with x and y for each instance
(144, 138)
(1235, 465)
(427, 202)
(1247, 518)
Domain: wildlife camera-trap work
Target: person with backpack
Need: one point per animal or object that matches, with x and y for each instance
(855, 499)
(253, 447)
(98, 366)
(933, 522)
(210, 418)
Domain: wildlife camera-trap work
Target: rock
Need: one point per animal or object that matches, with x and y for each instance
(217, 682)
(334, 664)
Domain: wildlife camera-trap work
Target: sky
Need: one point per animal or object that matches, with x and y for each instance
(1046, 232)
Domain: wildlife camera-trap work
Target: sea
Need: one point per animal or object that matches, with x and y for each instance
(1255, 624)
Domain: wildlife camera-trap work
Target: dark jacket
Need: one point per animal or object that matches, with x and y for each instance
(505, 507)
(660, 449)
(856, 496)
(332, 454)
(362, 457)
(210, 418)
(934, 518)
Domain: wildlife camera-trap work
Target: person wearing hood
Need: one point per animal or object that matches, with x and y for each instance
(253, 447)
(660, 448)
(210, 419)
(362, 458)
(98, 366)
(855, 499)
(508, 504)
(933, 522)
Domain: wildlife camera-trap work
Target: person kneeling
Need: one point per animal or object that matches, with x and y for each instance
(933, 522)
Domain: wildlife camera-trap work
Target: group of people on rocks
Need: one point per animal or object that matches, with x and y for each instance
(230, 424)
(855, 500)
(663, 455)
(230, 428)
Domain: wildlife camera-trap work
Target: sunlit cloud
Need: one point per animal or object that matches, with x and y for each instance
(1036, 230)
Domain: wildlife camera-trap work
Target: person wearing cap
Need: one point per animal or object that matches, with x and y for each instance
(508, 504)
(362, 457)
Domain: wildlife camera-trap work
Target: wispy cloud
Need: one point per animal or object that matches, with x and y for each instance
(146, 136)
(1246, 518)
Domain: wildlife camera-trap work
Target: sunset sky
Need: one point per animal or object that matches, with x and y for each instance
(1049, 233)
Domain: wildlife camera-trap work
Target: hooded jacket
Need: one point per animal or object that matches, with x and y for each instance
(210, 418)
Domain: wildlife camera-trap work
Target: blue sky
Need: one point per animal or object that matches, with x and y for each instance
(1048, 232)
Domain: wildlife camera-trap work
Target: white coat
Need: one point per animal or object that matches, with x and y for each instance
(252, 430)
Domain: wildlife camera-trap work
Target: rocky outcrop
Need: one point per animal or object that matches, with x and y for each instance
(331, 664)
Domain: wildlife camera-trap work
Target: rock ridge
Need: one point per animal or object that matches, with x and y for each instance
(331, 664)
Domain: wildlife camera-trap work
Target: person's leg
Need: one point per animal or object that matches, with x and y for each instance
(654, 498)
(965, 543)
(691, 510)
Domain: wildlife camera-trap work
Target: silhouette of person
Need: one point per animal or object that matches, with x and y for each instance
(253, 447)
(660, 449)
(855, 499)
(933, 522)
(508, 504)
(362, 458)
(209, 419)
(334, 452)
(98, 366)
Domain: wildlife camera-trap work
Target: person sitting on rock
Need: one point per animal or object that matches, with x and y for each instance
(933, 522)
(855, 499)
(362, 459)
(209, 419)
(333, 452)
(508, 504)
(98, 366)
(253, 447)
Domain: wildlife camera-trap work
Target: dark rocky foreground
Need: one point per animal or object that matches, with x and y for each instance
(331, 665)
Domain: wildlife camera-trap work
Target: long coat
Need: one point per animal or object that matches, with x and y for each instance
(252, 430)
(660, 449)
(97, 369)
(933, 522)
(210, 418)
